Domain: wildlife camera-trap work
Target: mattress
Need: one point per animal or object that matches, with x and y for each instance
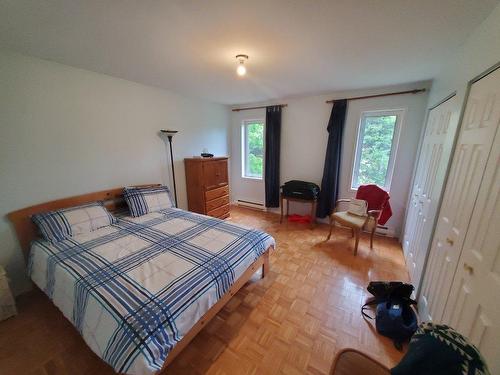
(135, 288)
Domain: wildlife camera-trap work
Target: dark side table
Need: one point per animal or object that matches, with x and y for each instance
(313, 203)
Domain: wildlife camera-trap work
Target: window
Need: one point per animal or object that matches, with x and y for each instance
(378, 135)
(252, 149)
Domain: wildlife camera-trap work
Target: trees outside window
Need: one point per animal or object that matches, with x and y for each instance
(376, 148)
(253, 149)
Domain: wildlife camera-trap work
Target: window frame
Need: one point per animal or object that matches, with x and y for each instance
(400, 114)
(244, 147)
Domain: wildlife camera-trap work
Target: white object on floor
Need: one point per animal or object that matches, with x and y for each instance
(7, 303)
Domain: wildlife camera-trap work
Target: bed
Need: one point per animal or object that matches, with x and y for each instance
(139, 290)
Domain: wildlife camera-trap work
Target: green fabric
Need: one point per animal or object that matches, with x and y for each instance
(440, 350)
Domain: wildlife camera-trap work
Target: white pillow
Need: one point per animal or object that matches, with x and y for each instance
(58, 225)
(142, 201)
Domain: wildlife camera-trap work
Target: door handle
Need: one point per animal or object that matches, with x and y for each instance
(469, 269)
(449, 241)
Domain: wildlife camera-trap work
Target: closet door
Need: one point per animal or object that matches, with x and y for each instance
(475, 141)
(473, 306)
(435, 153)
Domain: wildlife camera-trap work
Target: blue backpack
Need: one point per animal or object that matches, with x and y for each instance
(394, 316)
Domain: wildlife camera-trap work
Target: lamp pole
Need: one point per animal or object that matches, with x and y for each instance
(170, 134)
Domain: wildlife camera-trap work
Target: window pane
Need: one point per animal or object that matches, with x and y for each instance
(254, 150)
(374, 149)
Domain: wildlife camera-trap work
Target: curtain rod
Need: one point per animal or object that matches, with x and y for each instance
(262, 106)
(416, 91)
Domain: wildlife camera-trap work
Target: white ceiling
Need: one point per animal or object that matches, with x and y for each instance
(296, 47)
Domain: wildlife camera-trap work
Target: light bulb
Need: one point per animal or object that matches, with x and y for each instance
(241, 70)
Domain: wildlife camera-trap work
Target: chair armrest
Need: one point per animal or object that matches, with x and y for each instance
(343, 200)
(374, 213)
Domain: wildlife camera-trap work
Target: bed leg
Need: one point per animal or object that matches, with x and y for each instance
(265, 265)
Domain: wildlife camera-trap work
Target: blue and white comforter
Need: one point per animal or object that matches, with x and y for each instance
(135, 288)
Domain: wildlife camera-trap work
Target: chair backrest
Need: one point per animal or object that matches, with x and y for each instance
(374, 195)
(353, 362)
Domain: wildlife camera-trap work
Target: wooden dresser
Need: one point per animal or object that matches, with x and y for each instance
(207, 186)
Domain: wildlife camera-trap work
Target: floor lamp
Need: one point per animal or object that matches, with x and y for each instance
(170, 134)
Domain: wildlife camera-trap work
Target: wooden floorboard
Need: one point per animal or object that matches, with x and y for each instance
(292, 322)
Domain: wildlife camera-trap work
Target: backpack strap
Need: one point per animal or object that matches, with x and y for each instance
(372, 302)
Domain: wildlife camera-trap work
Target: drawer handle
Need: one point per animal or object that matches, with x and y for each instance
(449, 241)
(469, 269)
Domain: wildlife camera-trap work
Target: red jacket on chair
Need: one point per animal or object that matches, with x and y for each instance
(378, 199)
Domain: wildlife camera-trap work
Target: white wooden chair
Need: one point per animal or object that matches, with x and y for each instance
(355, 222)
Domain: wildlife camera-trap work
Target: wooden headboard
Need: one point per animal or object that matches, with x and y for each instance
(27, 231)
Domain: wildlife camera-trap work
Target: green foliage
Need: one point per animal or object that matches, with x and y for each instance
(255, 144)
(376, 147)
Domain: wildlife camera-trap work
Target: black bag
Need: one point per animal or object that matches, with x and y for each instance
(384, 290)
(394, 317)
(300, 189)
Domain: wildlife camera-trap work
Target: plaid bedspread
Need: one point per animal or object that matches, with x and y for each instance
(135, 288)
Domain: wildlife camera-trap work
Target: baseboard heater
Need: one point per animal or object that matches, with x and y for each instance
(249, 204)
(381, 230)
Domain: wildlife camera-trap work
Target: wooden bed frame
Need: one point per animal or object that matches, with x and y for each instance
(27, 231)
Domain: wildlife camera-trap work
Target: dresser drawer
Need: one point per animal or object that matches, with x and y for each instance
(215, 173)
(217, 202)
(216, 193)
(225, 216)
(221, 212)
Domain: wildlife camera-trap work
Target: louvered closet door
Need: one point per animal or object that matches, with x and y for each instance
(435, 153)
(475, 141)
(473, 307)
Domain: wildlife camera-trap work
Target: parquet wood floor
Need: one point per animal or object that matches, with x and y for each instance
(292, 322)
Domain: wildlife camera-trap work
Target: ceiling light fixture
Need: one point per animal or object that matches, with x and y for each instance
(241, 70)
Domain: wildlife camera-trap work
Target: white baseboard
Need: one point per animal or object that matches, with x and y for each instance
(249, 204)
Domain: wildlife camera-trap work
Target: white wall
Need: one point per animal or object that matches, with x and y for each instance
(66, 131)
(480, 51)
(304, 138)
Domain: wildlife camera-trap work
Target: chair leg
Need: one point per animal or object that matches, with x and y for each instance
(281, 204)
(313, 214)
(371, 236)
(356, 242)
(332, 224)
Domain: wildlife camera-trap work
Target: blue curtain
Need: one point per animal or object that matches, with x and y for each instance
(331, 170)
(272, 160)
